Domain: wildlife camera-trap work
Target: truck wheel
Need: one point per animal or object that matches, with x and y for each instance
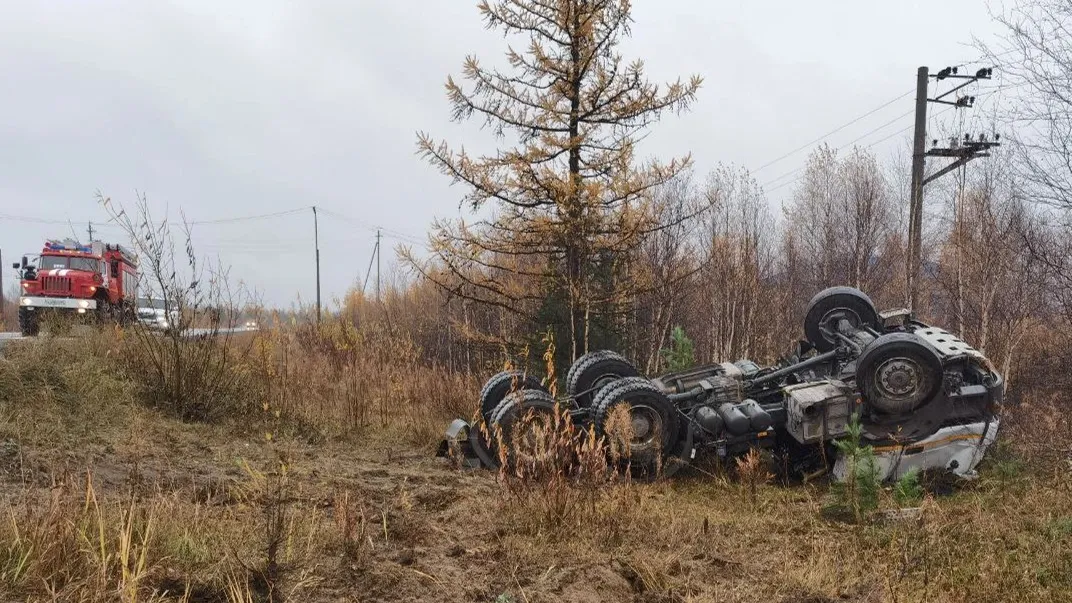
(502, 384)
(104, 312)
(520, 418)
(898, 373)
(593, 371)
(646, 432)
(28, 323)
(829, 307)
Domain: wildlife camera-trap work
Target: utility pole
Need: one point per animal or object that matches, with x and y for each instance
(915, 207)
(91, 233)
(377, 264)
(316, 244)
(962, 153)
(3, 300)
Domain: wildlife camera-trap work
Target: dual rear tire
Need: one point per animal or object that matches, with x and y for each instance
(641, 427)
(503, 384)
(595, 371)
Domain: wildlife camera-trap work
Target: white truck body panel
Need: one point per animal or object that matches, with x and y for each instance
(959, 449)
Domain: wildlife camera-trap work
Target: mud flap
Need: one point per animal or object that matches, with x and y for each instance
(462, 442)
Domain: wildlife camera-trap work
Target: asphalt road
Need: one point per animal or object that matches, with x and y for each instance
(14, 335)
(6, 337)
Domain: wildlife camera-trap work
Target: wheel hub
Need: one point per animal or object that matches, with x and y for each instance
(828, 325)
(901, 385)
(899, 377)
(641, 427)
(603, 380)
(531, 428)
(645, 424)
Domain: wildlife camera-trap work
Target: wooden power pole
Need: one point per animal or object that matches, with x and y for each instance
(316, 244)
(961, 152)
(377, 264)
(915, 207)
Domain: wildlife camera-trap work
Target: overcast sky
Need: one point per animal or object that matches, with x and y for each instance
(239, 108)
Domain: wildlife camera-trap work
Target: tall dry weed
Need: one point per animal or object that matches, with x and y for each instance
(553, 472)
(78, 548)
(345, 379)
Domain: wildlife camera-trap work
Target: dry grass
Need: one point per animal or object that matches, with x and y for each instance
(79, 545)
(80, 541)
(108, 498)
(341, 379)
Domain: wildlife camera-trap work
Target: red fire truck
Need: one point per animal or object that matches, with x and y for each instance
(98, 280)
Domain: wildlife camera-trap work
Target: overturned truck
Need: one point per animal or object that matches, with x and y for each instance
(921, 397)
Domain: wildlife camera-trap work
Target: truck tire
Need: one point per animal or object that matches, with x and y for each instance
(594, 371)
(831, 305)
(502, 384)
(898, 373)
(28, 323)
(654, 429)
(513, 409)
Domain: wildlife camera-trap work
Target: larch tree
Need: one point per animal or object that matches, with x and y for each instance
(569, 198)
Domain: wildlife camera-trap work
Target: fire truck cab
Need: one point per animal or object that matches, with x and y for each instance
(98, 280)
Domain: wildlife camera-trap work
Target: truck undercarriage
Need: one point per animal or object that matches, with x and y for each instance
(922, 397)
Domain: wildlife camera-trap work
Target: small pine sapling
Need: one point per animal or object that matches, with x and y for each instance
(908, 491)
(680, 355)
(858, 491)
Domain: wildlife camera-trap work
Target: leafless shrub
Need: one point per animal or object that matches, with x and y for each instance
(191, 368)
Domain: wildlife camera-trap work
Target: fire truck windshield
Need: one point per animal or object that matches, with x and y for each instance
(50, 262)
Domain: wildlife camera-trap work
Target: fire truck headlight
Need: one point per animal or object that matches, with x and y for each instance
(26, 285)
(26, 301)
(83, 304)
(81, 310)
(92, 289)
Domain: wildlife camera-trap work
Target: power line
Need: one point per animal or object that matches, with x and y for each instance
(394, 234)
(254, 217)
(842, 147)
(851, 142)
(872, 131)
(110, 224)
(36, 220)
(834, 131)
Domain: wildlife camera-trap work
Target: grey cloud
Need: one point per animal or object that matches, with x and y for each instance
(239, 108)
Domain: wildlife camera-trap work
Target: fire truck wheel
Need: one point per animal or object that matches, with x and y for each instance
(104, 317)
(28, 322)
